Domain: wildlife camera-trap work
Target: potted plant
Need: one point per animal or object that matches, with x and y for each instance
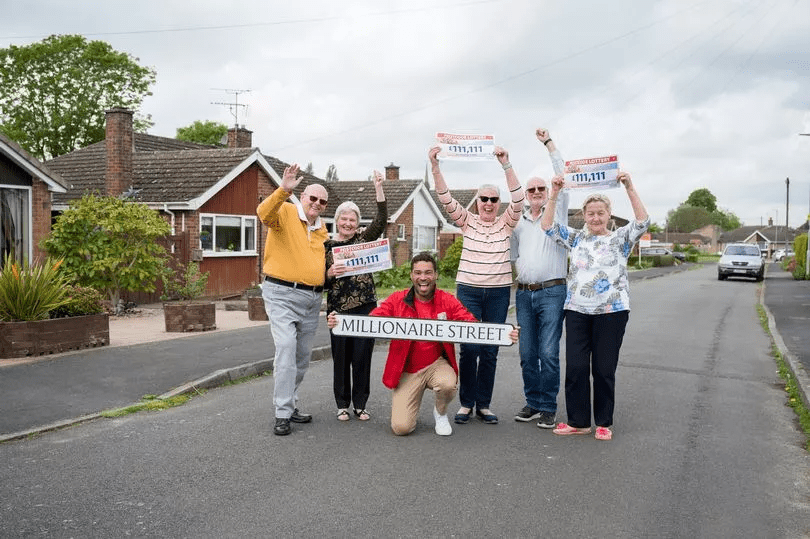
(256, 310)
(182, 308)
(41, 313)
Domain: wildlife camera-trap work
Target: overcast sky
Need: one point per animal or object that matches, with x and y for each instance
(688, 93)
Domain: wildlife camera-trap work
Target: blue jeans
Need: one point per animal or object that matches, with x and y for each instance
(476, 362)
(540, 317)
(293, 317)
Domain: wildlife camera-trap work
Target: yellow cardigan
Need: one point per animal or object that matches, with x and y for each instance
(292, 251)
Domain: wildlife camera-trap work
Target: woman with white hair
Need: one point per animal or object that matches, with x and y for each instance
(353, 295)
(597, 305)
(484, 278)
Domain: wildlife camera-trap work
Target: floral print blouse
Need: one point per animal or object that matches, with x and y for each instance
(597, 273)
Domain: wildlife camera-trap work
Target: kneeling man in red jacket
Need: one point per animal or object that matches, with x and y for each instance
(414, 366)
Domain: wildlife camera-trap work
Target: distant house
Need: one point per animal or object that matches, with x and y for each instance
(414, 219)
(26, 187)
(768, 238)
(208, 195)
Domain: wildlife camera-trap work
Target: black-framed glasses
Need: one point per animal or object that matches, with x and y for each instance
(489, 199)
(533, 189)
(314, 199)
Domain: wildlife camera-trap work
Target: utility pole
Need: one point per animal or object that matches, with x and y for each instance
(807, 249)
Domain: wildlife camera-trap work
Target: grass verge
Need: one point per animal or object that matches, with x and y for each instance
(149, 403)
(794, 398)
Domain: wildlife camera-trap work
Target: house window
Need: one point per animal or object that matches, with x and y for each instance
(401, 232)
(224, 235)
(15, 223)
(424, 238)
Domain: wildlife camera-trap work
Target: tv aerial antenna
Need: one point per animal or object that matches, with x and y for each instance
(234, 106)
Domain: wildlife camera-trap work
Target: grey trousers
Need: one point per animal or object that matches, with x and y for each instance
(293, 315)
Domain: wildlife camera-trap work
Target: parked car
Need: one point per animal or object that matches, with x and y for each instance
(654, 251)
(779, 254)
(741, 260)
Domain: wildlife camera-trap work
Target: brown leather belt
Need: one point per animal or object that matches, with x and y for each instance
(301, 286)
(540, 286)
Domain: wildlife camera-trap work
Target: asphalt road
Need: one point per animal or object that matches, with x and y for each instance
(703, 446)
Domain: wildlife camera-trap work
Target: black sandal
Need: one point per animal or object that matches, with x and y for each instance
(362, 414)
(343, 414)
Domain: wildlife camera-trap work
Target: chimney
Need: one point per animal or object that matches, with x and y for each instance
(392, 172)
(120, 146)
(239, 137)
(770, 221)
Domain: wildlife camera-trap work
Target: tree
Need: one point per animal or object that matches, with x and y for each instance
(654, 228)
(110, 245)
(331, 174)
(726, 220)
(688, 218)
(53, 93)
(206, 132)
(702, 198)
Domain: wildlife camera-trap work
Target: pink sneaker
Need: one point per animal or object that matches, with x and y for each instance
(603, 433)
(564, 430)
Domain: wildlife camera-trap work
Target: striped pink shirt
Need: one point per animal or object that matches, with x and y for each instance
(485, 256)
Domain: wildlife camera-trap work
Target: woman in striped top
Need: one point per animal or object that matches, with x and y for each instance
(484, 278)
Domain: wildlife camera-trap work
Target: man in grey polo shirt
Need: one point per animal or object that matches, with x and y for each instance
(541, 266)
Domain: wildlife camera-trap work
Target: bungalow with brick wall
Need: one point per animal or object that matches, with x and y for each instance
(207, 194)
(26, 187)
(769, 238)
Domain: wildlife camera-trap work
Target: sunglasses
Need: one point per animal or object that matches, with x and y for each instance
(489, 199)
(533, 189)
(314, 199)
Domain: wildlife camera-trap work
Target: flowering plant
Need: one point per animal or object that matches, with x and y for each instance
(30, 292)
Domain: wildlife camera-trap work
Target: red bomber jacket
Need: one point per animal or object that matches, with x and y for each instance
(400, 305)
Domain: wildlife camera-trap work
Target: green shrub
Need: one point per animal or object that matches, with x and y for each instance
(657, 261)
(82, 301)
(692, 257)
(449, 264)
(800, 248)
(30, 292)
(396, 277)
(185, 283)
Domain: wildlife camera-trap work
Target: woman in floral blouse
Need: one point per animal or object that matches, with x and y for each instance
(354, 295)
(597, 305)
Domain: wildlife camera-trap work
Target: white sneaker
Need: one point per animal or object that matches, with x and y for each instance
(443, 427)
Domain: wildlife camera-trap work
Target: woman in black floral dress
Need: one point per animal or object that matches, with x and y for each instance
(354, 295)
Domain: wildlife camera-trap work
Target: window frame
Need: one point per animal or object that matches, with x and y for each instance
(243, 251)
(27, 232)
(401, 232)
(416, 237)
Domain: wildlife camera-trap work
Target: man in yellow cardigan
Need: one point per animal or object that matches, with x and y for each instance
(294, 262)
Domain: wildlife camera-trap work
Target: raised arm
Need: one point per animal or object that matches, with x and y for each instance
(511, 217)
(268, 208)
(377, 226)
(554, 154)
(639, 211)
(456, 211)
(547, 221)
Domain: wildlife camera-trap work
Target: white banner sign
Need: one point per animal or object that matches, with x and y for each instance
(466, 147)
(418, 329)
(592, 173)
(364, 257)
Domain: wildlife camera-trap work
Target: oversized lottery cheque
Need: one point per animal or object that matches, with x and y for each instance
(364, 257)
(593, 173)
(466, 147)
